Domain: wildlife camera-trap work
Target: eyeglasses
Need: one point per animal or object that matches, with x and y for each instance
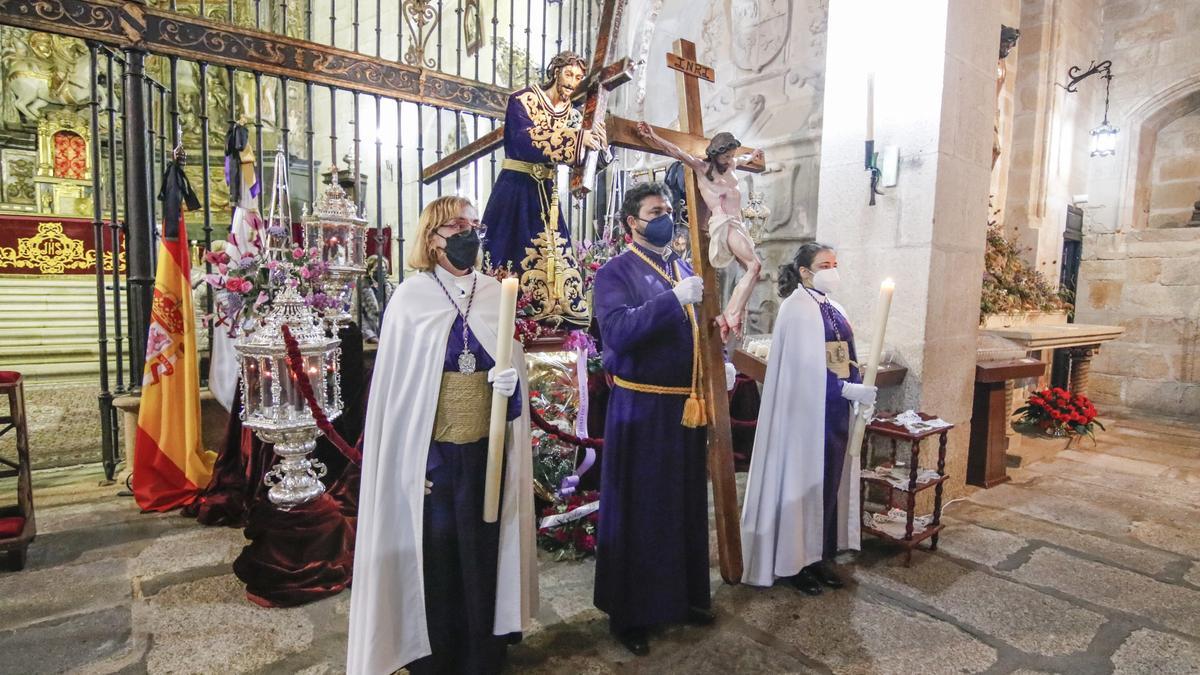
(459, 225)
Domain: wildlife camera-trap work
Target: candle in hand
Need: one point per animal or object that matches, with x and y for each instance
(882, 309)
(504, 345)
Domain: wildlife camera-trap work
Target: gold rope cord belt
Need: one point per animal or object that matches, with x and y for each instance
(538, 171)
(696, 410)
(651, 388)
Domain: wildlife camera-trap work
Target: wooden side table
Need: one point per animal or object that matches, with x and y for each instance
(910, 537)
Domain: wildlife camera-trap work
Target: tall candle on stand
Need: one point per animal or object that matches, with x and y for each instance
(869, 159)
(495, 456)
(882, 308)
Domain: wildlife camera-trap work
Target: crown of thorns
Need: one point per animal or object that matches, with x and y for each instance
(722, 142)
(560, 61)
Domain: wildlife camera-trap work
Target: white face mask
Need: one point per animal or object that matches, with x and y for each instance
(826, 281)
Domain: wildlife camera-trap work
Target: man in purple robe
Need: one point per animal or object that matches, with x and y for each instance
(652, 548)
(526, 230)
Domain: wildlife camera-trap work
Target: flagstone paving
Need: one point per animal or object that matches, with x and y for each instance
(1088, 561)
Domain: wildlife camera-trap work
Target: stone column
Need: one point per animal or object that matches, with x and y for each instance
(935, 89)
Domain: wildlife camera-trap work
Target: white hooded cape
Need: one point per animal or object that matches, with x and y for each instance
(782, 516)
(387, 600)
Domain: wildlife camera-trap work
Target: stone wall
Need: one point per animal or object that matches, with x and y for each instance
(1144, 279)
(1176, 172)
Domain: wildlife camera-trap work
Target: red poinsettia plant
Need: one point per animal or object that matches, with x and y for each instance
(570, 538)
(1060, 412)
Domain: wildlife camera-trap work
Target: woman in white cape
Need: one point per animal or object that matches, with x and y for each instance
(801, 503)
(435, 588)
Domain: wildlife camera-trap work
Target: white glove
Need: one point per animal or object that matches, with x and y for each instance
(859, 393)
(867, 412)
(730, 376)
(503, 381)
(689, 291)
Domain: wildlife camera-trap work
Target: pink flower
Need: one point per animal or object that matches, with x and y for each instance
(298, 253)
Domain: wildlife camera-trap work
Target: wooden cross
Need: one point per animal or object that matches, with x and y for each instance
(623, 133)
(594, 93)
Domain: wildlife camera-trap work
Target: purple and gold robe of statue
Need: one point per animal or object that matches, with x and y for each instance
(526, 229)
(652, 546)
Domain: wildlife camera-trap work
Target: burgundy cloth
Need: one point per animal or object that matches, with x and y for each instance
(744, 402)
(236, 482)
(11, 527)
(9, 376)
(298, 556)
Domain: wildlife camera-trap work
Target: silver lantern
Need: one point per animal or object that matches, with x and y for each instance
(273, 403)
(339, 232)
(756, 214)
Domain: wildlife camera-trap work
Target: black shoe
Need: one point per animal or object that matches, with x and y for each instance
(634, 639)
(823, 572)
(697, 616)
(805, 582)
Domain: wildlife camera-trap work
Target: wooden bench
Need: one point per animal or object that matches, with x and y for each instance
(17, 525)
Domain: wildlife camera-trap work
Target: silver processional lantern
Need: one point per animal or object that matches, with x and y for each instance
(273, 402)
(339, 232)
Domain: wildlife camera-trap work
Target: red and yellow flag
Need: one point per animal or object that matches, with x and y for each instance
(170, 464)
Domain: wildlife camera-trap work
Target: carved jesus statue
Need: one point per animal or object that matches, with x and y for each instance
(526, 230)
(728, 238)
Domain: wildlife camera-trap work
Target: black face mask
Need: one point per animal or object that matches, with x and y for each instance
(462, 250)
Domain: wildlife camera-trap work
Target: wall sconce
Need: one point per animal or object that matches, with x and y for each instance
(1104, 137)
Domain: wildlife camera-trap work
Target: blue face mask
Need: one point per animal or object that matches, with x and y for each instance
(659, 231)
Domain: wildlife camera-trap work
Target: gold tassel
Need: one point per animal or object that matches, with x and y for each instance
(693, 412)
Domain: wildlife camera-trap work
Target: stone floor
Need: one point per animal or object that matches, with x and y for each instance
(1088, 562)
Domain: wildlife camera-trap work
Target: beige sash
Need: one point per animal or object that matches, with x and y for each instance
(463, 406)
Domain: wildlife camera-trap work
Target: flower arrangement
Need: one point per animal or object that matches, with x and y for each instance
(571, 537)
(1011, 285)
(1058, 412)
(593, 254)
(247, 285)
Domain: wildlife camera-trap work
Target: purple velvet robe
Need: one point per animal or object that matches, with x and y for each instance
(652, 545)
(460, 550)
(516, 235)
(837, 423)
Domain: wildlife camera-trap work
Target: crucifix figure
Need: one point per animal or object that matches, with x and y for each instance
(729, 239)
(625, 133)
(541, 131)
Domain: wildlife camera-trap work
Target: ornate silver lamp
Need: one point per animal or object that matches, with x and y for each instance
(339, 232)
(756, 213)
(273, 403)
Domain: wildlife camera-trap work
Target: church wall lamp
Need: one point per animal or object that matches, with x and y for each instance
(1104, 137)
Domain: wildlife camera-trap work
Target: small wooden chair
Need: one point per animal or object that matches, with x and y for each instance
(17, 527)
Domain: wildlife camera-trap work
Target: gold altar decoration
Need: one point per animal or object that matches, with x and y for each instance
(64, 169)
(52, 251)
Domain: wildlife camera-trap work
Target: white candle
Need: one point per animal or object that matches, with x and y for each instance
(504, 344)
(871, 106)
(882, 308)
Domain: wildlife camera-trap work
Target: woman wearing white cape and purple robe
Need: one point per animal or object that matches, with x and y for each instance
(435, 588)
(802, 494)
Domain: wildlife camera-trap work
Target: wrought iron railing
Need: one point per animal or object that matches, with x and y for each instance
(415, 92)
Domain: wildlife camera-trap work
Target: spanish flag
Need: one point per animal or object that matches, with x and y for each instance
(170, 464)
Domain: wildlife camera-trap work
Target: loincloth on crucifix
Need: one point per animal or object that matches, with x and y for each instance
(526, 230)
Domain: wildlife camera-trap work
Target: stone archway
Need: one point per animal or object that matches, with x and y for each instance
(1144, 121)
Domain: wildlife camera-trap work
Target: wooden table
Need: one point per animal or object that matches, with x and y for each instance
(755, 368)
(989, 418)
(1081, 341)
(896, 433)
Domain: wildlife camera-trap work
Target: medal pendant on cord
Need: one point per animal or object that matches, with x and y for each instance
(466, 362)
